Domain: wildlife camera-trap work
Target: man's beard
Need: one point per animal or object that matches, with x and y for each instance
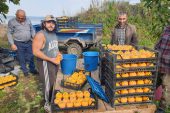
(53, 31)
(123, 25)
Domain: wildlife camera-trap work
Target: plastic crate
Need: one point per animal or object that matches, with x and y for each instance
(102, 70)
(72, 85)
(113, 97)
(16, 80)
(5, 69)
(57, 109)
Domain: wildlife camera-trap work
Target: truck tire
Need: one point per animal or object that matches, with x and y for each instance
(74, 48)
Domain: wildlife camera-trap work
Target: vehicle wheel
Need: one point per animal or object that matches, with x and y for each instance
(74, 48)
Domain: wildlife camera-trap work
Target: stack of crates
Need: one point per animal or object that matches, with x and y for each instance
(129, 80)
(67, 22)
(7, 60)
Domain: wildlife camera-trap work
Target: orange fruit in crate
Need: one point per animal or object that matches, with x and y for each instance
(125, 75)
(132, 90)
(91, 100)
(72, 94)
(118, 75)
(84, 103)
(124, 91)
(142, 64)
(117, 84)
(80, 99)
(131, 99)
(123, 100)
(118, 66)
(77, 104)
(148, 73)
(117, 92)
(62, 104)
(125, 83)
(126, 65)
(86, 94)
(56, 101)
(59, 95)
(73, 99)
(134, 65)
(132, 82)
(139, 90)
(147, 81)
(146, 90)
(79, 94)
(140, 82)
(132, 74)
(145, 98)
(66, 100)
(65, 95)
(140, 73)
(116, 101)
(138, 99)
(69, 104)
(86, 99)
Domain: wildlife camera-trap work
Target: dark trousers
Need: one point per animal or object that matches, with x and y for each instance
(48, 74)
(25, 55)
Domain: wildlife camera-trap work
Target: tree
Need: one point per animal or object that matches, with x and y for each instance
(159, 11)
(4, 7)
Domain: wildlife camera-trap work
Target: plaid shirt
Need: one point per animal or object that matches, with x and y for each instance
(163, 46)
(120, 35)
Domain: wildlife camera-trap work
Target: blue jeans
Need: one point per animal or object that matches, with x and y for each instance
(25, 55)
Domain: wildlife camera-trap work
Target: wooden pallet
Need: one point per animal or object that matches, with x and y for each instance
(105, 107)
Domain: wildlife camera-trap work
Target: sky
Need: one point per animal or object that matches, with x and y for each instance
(55, 7)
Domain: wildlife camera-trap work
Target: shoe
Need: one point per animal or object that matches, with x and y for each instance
(35, 72)
(160, 110)
(47, 108)
(26, 74)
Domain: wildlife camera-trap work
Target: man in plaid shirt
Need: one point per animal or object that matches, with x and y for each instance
(163, 46)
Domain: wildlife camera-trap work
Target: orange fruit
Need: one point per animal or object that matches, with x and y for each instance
(138, 99)
(140, 82)
(132, 74)
(125, 83)
(59, 95)
(86, 94)
(139, 90)
(84, 103)
(62, 104)
(123, 100)
(147, 81)
(125, 75)
(145, 98)
(146, 90)
(124, 91)
(134, 65)
(132, 90)
(69, 104)
(131, 99)
(132, 82)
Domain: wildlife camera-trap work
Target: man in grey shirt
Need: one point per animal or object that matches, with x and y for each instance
(20, 34)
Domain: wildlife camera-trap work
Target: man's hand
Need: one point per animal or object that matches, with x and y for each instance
(14, 47)
(53, 60)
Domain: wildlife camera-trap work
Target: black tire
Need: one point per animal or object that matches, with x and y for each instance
(74, 48)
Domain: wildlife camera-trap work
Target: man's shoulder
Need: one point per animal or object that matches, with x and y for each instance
(12, 20)
(131, 26)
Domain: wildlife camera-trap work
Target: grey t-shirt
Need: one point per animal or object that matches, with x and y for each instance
(51, 45)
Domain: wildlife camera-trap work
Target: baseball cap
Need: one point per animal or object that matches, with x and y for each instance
(49, 18)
